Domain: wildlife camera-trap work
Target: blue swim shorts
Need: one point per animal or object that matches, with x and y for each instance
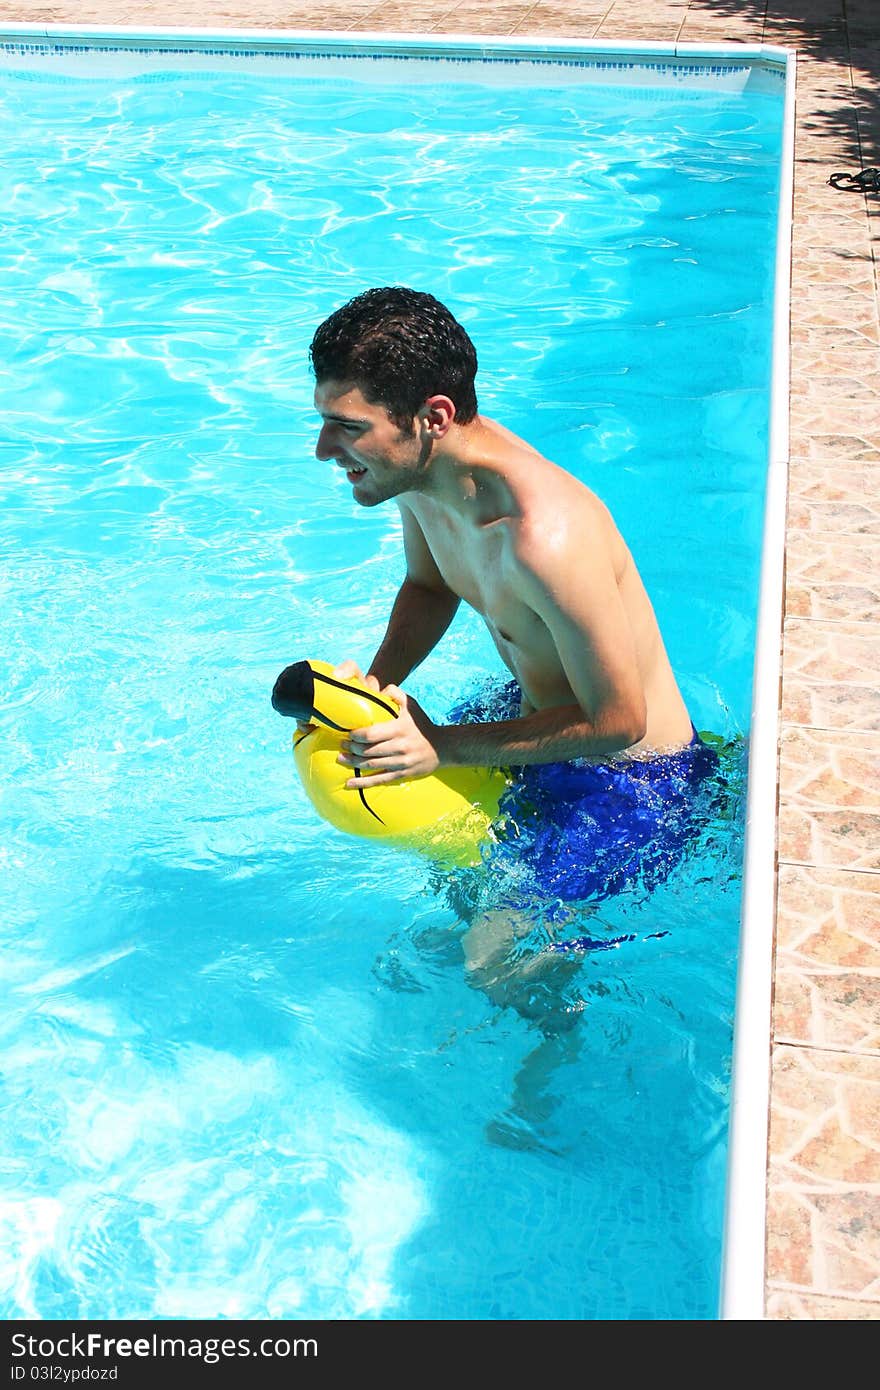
(587, 830)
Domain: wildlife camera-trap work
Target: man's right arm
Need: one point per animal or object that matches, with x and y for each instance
(422, 611)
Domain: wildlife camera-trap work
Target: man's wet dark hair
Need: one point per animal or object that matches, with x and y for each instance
(399, 346)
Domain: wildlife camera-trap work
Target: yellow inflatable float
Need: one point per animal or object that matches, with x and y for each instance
(446, 815)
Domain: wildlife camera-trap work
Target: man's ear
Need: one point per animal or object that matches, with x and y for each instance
(436, 415)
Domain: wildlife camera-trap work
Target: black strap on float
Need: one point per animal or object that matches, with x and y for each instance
(358, 772)
(362, 694)
(865, 181)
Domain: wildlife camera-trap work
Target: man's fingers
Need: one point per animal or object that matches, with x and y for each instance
(374, 779)
(361, 757)
(377, 735)
(347, 668)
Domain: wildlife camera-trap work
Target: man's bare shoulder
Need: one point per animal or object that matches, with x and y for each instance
(541, 485)
(556, 547)
(556, 512)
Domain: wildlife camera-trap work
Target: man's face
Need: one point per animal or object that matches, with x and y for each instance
(380, 461)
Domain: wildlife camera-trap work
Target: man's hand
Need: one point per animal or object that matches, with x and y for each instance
(349, 670)
(400, 748)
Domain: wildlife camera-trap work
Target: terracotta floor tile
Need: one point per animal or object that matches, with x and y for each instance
(844, 1270)
(727, 29)
(847, 517)
(478, 19)
(845, 265)
(847, 392)
(834, 232)
(828, 919)
(806, 1307)
(810, 360)
(849, 448)
(825, 1160)
(835, 1010)
(848, 428)
(403, 21)
(825, 132)
(829, 839)
(828, 675)
(663, 32)
(829, 340)
(789, 1239)
(823, 768)
(824, 86)
(561, 21)
(831, 653)
(828, 580)
(841, 293)
(848, 706)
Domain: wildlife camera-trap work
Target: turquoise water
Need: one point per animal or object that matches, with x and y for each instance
(244, 1073)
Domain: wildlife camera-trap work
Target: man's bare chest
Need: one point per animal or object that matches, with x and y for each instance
(473, 561)
(477, 566)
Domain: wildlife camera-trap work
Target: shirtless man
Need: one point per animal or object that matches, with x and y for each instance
(490, 521)
(487, 520)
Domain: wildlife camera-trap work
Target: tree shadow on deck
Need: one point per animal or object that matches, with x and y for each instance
(838, 47)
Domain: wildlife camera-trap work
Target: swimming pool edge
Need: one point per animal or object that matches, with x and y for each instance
(744, 1239)
(391, 42)
(743, 1272)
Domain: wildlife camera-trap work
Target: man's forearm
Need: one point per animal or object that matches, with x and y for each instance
(547, 736)
(419, 618)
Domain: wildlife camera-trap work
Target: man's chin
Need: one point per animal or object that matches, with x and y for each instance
(366, 493)
(366, 499)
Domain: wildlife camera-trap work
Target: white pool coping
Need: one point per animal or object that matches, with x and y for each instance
(745, 1220)
(744, 1262)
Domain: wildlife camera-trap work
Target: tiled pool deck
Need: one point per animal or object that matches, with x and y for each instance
(823, 1255)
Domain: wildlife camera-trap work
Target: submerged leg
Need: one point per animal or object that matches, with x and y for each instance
(537, 984)
(534, 982)
(537, 1087)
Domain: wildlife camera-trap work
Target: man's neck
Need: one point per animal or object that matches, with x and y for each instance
(468, 474)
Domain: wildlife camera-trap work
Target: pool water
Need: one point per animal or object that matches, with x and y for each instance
(245, 1074)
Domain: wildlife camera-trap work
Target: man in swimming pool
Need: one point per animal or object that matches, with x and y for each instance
(604, 749)
(490, 521)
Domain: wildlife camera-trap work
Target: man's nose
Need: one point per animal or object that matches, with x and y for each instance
(323, 448)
